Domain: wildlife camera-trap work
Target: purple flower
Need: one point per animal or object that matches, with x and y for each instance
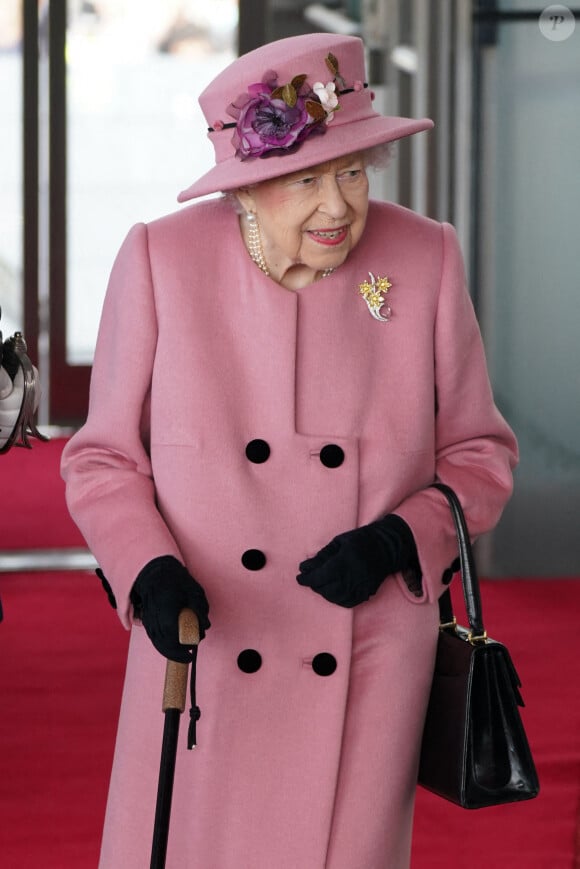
(267, 125)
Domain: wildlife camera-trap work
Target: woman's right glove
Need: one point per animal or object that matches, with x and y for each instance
(163, 588)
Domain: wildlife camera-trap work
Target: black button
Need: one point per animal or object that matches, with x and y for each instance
(324, 664)
(332, 456)
(253, 559)
(258, 451)
(249, 661)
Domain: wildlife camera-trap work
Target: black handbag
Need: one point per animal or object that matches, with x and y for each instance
(475, 752)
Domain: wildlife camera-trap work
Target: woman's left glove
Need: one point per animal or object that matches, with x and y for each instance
(351, 568)
(163, 588)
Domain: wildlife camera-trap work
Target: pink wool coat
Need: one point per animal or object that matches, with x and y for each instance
(198, 355)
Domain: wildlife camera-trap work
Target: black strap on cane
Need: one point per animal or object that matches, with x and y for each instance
(195, 711)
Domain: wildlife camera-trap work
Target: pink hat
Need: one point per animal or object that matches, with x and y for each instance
(289, 105)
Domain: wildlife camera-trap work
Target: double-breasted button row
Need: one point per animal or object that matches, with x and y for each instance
(258, 452)
(323, 664)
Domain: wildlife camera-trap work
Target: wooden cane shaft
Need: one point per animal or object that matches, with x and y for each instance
(175, 688)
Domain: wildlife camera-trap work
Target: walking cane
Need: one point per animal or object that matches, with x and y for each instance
(174, 697)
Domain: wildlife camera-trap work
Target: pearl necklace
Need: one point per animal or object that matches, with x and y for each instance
(256, 250)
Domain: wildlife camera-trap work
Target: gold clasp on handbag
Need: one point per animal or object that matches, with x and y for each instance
(446, 625)
(480, 638)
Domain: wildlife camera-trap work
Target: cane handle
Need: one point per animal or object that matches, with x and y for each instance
(175, 688)
(188, 628)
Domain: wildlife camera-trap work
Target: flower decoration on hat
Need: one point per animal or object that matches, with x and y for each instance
(274, 119)
(374, 292)
(327, 95)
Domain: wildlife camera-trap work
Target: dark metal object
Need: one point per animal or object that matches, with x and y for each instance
(30, 173)
(253, 24)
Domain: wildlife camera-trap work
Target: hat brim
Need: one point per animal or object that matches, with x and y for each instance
(341, 139)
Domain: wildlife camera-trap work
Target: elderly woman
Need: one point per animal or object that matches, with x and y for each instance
(275, 388)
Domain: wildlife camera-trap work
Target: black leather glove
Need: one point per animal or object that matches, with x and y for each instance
(163, 588)
(353, 565)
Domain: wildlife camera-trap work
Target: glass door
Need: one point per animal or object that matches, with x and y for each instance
(528, 217)
(135, 132)
(100, 129)
(127, 136)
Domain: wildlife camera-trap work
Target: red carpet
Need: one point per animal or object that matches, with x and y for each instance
(62, 656)
(62, 651)
(34, 514)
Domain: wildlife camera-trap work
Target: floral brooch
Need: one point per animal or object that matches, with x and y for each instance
(274, 119)
(374, 292)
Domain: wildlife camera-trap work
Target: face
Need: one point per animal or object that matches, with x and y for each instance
(310, 220)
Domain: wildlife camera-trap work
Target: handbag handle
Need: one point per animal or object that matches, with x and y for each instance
(469, 580)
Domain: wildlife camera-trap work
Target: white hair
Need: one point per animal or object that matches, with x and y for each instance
(379, 156)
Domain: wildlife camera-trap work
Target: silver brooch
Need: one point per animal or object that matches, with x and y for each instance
(374, 293)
